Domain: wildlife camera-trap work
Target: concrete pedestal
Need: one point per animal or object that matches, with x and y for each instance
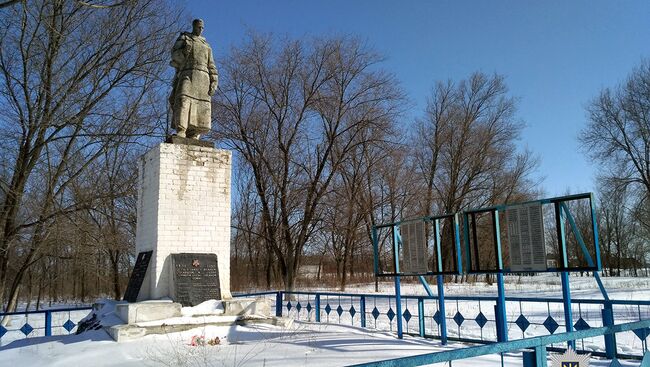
(183, 206)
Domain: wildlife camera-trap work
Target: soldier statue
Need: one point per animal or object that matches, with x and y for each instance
(195, 82)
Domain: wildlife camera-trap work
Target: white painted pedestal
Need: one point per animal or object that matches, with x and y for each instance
(183, 206)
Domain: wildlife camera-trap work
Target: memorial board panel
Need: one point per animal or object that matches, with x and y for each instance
(414, 248)
(137, 276)
(526, 237)
(195, 278)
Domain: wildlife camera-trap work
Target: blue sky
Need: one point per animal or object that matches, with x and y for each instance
(556, 55)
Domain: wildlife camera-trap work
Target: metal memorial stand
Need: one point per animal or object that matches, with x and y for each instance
(397, 243)
(530, 265)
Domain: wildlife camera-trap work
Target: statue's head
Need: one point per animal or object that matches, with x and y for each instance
(197, 27)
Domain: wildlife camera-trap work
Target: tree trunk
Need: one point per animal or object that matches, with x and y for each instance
(30, 289)
(40, 294)
(83, 284)
(11, 306)
(339, 269)
(268, 271)
(115, 266)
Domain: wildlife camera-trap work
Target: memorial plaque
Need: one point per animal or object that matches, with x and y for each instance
(137, 276)
(414, 248)
(526, 237)
(195, 277)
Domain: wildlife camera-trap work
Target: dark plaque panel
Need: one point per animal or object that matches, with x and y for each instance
(196, 278)
(137, 276)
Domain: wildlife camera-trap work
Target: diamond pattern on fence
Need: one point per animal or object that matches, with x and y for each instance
(339, 310)
(390, 314)
(328, 309)
(289, 306)
(308, 307)
(458, 318)
(481, 320)
(436, 317)
(298, 306)
(550, 324)
(581, 324)
(352, 311)
(69, 325)
(407, 315)
(522, 322)
(375, 313)
(26, 329)
(642, 333)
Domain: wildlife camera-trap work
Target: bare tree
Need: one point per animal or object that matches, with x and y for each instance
(617, 137)
(72, 84)
(295, 111)
(617, 134)
(464, 149)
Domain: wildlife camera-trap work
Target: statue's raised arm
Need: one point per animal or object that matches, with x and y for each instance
(196, 80)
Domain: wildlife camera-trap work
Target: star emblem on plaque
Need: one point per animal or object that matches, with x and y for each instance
(570, 359)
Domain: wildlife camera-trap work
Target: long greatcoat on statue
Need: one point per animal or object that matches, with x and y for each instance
(195, 82)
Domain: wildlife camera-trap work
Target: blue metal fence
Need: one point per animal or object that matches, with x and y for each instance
(468, 319)
(473, 319)
(27, 324)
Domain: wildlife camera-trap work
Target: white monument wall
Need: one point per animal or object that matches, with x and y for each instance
(183, 206)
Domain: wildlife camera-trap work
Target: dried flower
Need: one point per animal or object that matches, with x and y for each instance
(197, 340)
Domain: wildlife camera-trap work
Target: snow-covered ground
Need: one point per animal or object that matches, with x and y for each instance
(307, 343)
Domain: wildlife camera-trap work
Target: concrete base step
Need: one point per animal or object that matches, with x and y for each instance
(145, 311)
(247, 306)
(126, 332)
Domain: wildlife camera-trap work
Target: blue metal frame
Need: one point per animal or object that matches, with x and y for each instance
(561, 210)
(437, 242)
(470, 228)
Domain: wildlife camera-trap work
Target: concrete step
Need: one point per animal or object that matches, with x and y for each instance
(144, 311)
(126, 332)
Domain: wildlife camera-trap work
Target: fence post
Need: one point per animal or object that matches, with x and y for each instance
(568, 312)
(535, 358)
(362, 305)
(48, 323)
(278, 304)
(317, 307)
(441, 308)
(610, 339)
(500, 310)
(566, 285)
(421, 316)
(398, 307)
(398, 292)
